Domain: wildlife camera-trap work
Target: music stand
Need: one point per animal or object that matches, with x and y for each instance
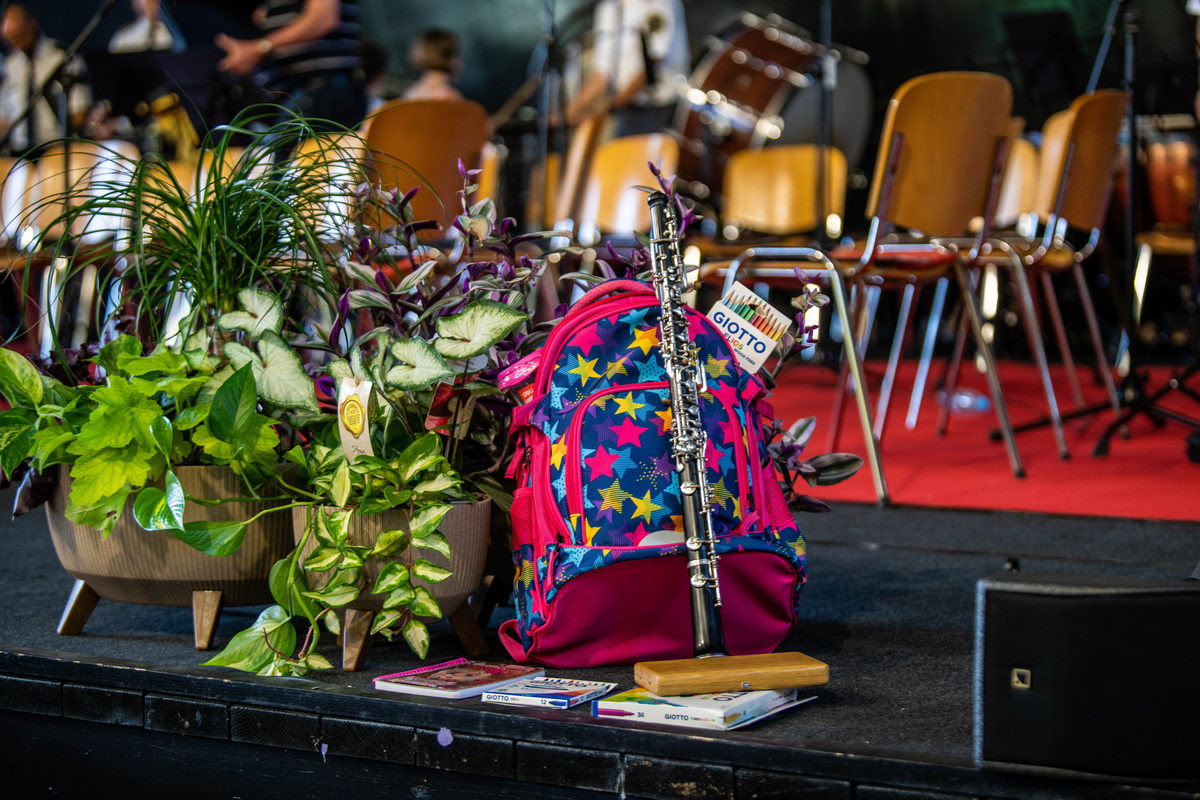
(1047, 55)
(1134, 396)
(124, 79)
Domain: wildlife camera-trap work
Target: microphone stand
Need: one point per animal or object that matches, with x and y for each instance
(1134, 396)
(826, 88)
(56, 74)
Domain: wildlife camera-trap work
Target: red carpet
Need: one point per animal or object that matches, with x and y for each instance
(1147, 476)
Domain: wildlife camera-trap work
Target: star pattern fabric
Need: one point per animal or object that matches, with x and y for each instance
(609, 410)
(612, 476)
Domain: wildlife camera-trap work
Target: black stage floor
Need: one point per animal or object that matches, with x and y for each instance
(126, 707)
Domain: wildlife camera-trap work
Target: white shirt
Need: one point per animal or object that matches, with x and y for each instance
(14, 94)
(1193, 6)
(619, 28)
(140, 36)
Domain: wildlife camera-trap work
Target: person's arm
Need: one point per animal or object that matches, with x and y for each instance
(318, 18)
(1195, 9)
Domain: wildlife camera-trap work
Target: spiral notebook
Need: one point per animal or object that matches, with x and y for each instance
(461, 677)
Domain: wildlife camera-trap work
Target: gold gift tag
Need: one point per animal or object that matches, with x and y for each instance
(354, 400)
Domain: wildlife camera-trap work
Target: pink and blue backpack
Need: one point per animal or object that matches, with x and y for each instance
(601, 576)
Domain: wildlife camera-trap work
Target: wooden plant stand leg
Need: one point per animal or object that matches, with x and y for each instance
(466, 626)
(356, 638)
(206, 608)
(79, 607)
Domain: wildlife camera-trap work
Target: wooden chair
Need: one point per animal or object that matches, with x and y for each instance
(598, 198)
(610, 202)
(774, 191)
(328, 163)
(490, 164)
(1078, 152)
(418, 144)
(1171, 179)
(937, 170)
(771, 198)
(58, 292)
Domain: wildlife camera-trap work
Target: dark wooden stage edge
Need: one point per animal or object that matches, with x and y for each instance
(97, 728)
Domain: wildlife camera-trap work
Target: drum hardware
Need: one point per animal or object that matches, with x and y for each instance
(723, 114)
(770, 69)
(777, 29)
(757, 85)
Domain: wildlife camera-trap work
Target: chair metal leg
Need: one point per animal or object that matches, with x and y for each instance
(1034, 332)
(50, 301)
(931, 331)
(889, 375)
(830, 271)
(1060, 336)
(989, 361)
(1089, 314)
(860, 389)
(859, 332)
(950, 384)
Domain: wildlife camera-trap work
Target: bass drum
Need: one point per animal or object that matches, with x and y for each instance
(852, 114)
(735, 95)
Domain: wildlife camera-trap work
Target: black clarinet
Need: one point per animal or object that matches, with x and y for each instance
(688, 380)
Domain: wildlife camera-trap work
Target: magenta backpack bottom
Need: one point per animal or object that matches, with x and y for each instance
(639, 609)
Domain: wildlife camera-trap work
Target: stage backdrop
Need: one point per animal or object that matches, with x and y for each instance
(1045, 47)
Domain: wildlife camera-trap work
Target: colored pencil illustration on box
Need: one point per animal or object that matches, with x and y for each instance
(545, 691)
(750, 324)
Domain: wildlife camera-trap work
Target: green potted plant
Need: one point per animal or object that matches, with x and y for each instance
(392, 504)
(134, 415)
(126, 455)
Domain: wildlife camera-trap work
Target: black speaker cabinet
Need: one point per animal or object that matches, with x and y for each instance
(1091, 675)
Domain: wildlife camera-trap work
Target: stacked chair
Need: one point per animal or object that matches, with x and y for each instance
(417, 143)
(1074, 178)
(937, 172)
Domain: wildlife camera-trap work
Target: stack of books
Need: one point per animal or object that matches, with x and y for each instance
(515, 684)
(722, 711)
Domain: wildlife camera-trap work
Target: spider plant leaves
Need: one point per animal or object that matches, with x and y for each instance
(418, 366)
(479, 327)
(278, 372)
(261, 312)
(19, 381)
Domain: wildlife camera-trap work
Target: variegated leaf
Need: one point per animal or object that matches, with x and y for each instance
(477, 328)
